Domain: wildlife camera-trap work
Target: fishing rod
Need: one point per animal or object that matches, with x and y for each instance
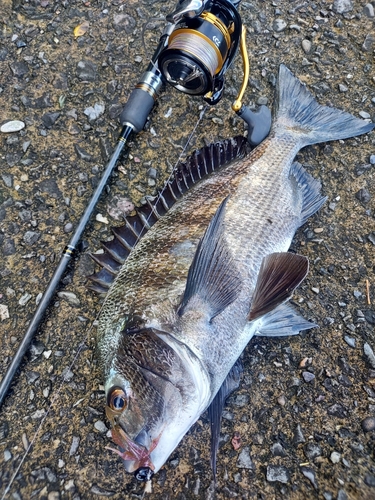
(198, 45)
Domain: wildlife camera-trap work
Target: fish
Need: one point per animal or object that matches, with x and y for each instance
(199, 271)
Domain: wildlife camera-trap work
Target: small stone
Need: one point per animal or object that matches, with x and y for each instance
(24, 299)
(342, 6)
(343, 88)
(350, 341)
(244, 460)
(19, 69)
(363, 195)
(31, 237)
(70, 297)
(279, 25)
(82, 153)
(298, 435)
(310, 475)
(372, 159)
(364, 115)
(308, 376)
(49, 119)
(86, 71)
(369, 479)
(124, 22)
(335, 457)
(74, 446)
(368, 10)
(369, 353)
(4, 312)
(312, 450)
(368, 43)
(100, 426)
(368, 424)
(306, 46)
(101, 492)
(278, 473)
(8, 456)
(94, 112)
(277, 450)
(12, 126)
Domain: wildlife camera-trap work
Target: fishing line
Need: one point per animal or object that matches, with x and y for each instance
(82, 344)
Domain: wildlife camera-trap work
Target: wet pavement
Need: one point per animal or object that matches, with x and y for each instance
(305, 410)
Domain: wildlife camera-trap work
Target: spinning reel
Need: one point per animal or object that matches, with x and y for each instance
(198, 46)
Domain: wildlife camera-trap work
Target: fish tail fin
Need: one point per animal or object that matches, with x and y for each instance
(300, 114)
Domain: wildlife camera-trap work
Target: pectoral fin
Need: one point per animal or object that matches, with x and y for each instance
(213, 277)
(215, 410)
(279, 275)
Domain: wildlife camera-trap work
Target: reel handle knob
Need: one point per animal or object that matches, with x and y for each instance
(186, 8)
(259, 123)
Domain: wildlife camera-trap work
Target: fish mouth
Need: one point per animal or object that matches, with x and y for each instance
(136, 454)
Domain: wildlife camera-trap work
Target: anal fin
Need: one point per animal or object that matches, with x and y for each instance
(282, 321)
(279, 275)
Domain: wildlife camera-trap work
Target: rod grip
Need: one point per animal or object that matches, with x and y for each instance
(137, 109)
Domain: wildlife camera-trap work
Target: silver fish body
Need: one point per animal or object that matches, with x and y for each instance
(196, 287)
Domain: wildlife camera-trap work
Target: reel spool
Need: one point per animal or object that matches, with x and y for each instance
(201, 47)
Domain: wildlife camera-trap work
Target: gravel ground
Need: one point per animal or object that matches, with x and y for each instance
(305, 410)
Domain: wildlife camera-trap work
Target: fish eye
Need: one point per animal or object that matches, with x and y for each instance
(117, 400)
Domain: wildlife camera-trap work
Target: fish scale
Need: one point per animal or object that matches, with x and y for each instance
(209, 275)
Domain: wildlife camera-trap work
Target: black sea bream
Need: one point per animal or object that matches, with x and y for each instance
(212, 272)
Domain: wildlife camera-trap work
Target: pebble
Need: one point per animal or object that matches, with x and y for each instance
(86, 71)
(278, 473)
(100, 426)
(342, 6)
(93, 112)
(12, 126)
(335, 457)
(70, 297)
(350, 341)
(368, 43)
(308, 376)
(369, 479)
(372, 159)
(74, 446)
(369, 353)
(279, 25)
(312, 450)
(306, 46)
(298, 435)
(364, 115)
(368, 424)
(368, 10)
(82, 153)
(31, 237)
(310, 475)
(343, 88)
(24, 299)
(68, 228)
(7, 455)
(4, 312)
(244, 459)
(100, 218)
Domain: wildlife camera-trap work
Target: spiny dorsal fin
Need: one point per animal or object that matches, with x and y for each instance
(213, 278)
(201, 163)
(279, 275)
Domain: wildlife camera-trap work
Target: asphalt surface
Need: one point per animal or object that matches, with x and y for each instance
(305, 410)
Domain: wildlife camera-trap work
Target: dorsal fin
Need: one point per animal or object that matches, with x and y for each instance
(200, 164)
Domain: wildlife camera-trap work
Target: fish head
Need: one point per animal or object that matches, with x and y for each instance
(155, 391)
